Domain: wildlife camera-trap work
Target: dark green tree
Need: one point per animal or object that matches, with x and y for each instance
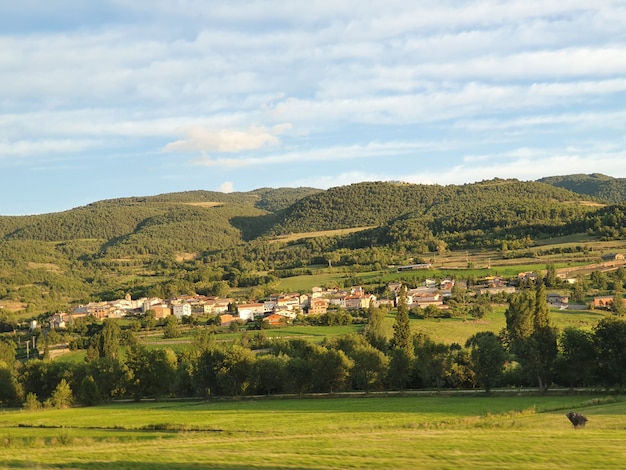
(610, 340)
(370, 366)
(400, 367)
(108, 340)
(577, 362)
(532, 338)
(402, 327)
(487, 358)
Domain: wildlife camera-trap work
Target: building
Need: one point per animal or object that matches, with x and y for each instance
(181, 310)
(604, 301)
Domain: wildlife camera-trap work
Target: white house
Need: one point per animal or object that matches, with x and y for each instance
(181, 310)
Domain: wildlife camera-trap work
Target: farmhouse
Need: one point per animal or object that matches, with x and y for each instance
(604, 301)
(557, 299)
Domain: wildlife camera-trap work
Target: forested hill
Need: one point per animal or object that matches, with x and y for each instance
(457, 207)
(185, 221)
(597, 185)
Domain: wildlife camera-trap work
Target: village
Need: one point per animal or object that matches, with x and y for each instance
(277, 309)
(283, 308)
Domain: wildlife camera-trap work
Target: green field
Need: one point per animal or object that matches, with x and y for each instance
(430, 432)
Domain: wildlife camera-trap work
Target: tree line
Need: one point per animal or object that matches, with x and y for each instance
(528, 352)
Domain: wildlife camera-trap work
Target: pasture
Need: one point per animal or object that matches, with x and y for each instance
(434, 432)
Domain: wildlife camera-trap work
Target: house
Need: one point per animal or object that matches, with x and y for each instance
(226, 319)
(59, 320)
(425, 299)
(530, 276)
(217, 306)
(161, 311)
(250, 310)
(557, 299)
(181, 310)
(358, 301)
(613, 257)
(318, 306)
(604, 301)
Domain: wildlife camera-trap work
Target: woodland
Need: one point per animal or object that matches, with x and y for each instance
(243, 244)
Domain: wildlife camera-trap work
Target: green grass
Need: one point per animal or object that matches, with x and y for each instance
(392, 432)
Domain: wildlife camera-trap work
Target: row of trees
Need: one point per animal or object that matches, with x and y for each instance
(529, 352)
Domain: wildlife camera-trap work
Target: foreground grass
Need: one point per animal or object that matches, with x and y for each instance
(324, 433)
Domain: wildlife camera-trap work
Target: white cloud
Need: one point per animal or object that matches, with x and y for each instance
(200, 139)
(326, 154)
(227, 187)
(528, 165)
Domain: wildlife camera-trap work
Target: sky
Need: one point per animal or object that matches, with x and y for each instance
(114, 98)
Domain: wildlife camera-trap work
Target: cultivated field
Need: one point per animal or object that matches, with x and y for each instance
(412, 432)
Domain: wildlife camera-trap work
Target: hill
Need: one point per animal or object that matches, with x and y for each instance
(197, 241)
(597, 185)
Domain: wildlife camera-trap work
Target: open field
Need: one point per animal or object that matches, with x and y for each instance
(324, 233)
(433, 432)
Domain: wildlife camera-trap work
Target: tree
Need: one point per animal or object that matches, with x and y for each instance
(88, 393)
(399, 372)
(10, 390)
(171, 329)
(432, 362)
(531, 336)
(152, 372)
(330, 368)
(487, 358)
(610, 339)
(108, 340)
(402, 327)
(370, 365)
(577, 363)
(234, 375)
(551, 279)
(480, 307)
(62, 396)
(617, 306)
(271, 373)
(375, 332)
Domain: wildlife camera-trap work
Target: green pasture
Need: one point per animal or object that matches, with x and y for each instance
(434, 432)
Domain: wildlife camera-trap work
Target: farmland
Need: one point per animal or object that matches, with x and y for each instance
(435, 432)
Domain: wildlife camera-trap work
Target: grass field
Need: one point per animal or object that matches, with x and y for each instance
(424, 432)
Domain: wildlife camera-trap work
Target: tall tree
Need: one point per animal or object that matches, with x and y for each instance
(375, 332)
(617, 306)
(108, 340)
(402, 326)
(531, 336)
(610, 339)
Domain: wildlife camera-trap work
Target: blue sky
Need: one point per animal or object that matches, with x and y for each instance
(115, 98)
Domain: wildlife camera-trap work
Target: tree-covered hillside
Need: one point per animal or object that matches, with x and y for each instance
(200, 241)
(455, 208)
(596, 185)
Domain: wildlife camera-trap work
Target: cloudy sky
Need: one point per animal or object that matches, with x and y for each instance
(113, 98)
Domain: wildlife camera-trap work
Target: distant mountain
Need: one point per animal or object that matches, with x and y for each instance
(597, 185)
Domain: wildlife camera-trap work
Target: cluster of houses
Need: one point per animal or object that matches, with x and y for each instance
(277, 309)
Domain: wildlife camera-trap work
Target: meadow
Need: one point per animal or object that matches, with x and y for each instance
(433, 432)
